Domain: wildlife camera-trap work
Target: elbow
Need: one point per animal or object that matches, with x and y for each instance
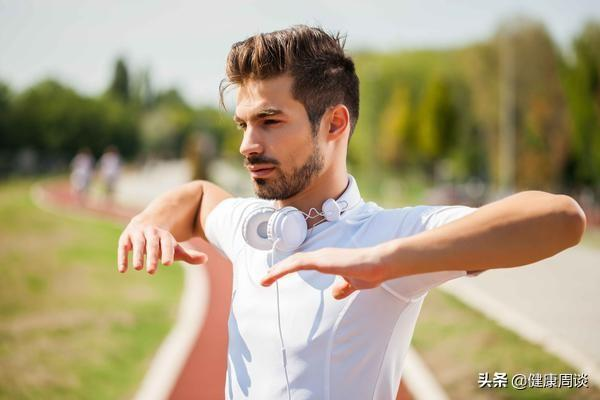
(573, 220)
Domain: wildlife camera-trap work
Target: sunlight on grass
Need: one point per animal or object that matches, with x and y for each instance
(71, 326)
(457, 342)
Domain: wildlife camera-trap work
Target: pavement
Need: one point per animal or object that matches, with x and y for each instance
(553, 302)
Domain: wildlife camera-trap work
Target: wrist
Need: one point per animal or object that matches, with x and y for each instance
(391, 265)
(148, 219)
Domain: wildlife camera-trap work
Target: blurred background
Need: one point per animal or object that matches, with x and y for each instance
(104, 105)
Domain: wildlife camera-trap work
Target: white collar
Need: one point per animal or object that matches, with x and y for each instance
(351, 195)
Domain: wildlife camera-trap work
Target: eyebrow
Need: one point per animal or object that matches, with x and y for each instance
(266, 112)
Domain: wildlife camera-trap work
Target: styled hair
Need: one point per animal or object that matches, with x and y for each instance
(323, 76)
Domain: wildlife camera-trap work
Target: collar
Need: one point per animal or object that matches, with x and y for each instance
(351, 196)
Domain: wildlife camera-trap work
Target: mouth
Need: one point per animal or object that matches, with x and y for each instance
(258, 171)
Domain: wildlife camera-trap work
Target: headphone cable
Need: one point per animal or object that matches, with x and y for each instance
(283, 352)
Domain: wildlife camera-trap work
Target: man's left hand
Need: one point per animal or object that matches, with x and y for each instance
(361, 268)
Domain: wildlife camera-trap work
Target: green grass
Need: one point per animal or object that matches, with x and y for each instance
(457, 343)
(390, 189)
(71, 326)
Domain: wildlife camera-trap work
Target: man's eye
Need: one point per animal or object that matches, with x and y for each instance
(241, 127)
(271, 121)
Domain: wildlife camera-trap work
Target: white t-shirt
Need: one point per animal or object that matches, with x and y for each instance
(334, 349)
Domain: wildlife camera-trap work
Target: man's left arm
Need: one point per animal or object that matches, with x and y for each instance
(517, 230)
(520, 229)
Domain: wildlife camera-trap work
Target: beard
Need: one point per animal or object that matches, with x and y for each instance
(285, 185)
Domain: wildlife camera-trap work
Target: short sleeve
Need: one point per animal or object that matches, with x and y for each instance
(223, 225)
(413, 221)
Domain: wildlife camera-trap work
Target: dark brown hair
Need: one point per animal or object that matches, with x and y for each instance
(323, 75)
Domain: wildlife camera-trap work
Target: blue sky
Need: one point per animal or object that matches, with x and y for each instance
(184, 43)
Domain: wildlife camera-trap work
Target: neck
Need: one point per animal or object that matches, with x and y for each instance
(330, 184)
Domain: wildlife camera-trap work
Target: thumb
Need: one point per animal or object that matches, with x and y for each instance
(190, 256)
(342, 290)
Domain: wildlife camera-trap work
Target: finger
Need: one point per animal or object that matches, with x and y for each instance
(166, 249)
(189, 256)
(343, 290)
(152, 250)
(139, 245)
(293, 264)
(123, 252)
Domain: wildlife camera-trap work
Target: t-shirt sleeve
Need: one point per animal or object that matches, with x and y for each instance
(414, 220)
(223, 225)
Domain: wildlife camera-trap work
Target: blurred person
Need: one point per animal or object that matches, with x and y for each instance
(327, 287)
(110, 170)
(82, 167)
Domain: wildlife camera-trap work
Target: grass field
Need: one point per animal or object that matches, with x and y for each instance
(71, 326)
(457, 342)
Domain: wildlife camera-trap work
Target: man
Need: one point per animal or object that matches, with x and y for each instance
(338, 325)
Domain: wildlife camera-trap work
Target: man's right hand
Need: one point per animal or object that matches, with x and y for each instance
(154, 243)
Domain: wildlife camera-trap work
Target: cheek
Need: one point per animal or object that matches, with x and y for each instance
(293, 144)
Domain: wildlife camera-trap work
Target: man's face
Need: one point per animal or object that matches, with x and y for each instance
(280, 150)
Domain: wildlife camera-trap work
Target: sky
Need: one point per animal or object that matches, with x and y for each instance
(184, 43)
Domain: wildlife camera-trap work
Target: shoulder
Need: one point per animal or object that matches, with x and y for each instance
(238, 205)
(224, 223)
(229, 212)
(411, 220)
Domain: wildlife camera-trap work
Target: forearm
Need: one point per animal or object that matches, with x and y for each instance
(518, 230)
(175, 211)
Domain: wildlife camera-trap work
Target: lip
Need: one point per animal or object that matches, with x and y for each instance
(261, 172)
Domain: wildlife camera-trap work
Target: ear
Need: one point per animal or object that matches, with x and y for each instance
(339, 122)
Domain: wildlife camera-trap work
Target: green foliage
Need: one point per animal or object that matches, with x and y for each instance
(437, 121)
(50, 117)
(5, 115)
(434, 109)
(443, 112)
(582, 84)
(119, 87)
(397, 129)
(53, 120)
(169, 124)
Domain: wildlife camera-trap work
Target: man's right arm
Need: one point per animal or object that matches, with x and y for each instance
(173, 217)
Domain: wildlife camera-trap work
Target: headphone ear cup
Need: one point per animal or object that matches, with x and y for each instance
(254, 228)
(287, 229)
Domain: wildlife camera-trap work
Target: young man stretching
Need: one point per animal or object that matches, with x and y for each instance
(327, 288)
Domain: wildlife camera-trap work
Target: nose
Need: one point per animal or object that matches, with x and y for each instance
(251, 143)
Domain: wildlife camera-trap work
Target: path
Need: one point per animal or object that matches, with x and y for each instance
(553, 302)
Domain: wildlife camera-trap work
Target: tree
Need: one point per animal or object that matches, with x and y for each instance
(396, 141)
(582, 83)
(52, 118)
(7, 137)
(539, 112)
(119, 87)
(437, 123)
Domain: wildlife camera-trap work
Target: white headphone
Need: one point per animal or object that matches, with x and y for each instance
(285, 229)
